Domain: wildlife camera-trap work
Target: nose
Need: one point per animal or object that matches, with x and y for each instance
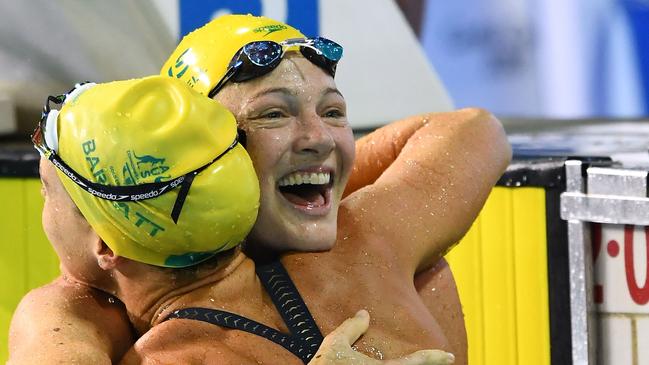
(313, 137)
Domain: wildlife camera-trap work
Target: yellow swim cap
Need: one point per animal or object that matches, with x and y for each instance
(151, 130)
(202, 57)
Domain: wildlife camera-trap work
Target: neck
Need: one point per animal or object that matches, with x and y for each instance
(150, 292)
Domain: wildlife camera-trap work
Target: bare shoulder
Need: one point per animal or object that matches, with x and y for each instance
(184, 342)
(68, 321)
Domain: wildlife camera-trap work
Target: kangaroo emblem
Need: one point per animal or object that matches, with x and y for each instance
(149, 159)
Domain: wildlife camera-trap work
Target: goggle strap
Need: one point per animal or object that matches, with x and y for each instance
(115, 193)
(187, 183)
(224, 80)
(130, 192)
(182, 195)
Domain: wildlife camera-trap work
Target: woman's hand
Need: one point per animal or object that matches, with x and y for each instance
(337, 348)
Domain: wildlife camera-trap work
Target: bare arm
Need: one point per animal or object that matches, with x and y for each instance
(437, 290)
(439, 170)
(376, 151)
(63, 323)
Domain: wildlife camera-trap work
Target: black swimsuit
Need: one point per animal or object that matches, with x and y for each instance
(305, 337)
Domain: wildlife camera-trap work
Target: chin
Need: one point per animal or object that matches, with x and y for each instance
(303, 244)
(290, 232)
(314, 245)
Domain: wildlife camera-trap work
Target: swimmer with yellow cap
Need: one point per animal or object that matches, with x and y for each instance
(232, 55)
(154, 167)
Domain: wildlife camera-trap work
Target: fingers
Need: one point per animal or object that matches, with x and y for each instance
(338, 344)
(425, 357)
(352, 328)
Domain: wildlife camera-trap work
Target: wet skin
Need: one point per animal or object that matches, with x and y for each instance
(402, 217)
(67, 320)
(296, 117)
(328, 146)
(365, 268)
(296, 124)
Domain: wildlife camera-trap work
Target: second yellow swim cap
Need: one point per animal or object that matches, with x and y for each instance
(202, 57)
(151, 130)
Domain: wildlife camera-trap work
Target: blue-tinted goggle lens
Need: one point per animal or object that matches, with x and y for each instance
(330, 49)
(262, 53)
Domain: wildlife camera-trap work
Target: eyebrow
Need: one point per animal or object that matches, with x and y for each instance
(330, 90)
(271, 90)
(288, 91)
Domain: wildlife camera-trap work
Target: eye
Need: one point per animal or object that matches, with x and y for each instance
(334, 113)
(269, 116)
(272, 114)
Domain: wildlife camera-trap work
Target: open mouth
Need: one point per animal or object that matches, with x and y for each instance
(307, 189)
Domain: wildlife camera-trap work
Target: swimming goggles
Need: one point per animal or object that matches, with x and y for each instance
(258, 58)
(42, 138)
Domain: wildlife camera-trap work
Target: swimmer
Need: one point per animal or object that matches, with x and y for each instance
(206, 47)
(156, 233)
(461, 128)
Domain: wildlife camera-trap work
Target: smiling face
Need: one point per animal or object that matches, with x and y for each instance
(302, 147)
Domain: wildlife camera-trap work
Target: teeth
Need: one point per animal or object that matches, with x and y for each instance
(299, 178)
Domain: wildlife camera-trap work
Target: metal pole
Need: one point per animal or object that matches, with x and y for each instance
(582, 311)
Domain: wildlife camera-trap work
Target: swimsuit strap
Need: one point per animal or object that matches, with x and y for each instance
(305, 338)
(290, 304)
(235, 321)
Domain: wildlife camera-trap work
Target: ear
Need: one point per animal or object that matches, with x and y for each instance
(106, 258)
